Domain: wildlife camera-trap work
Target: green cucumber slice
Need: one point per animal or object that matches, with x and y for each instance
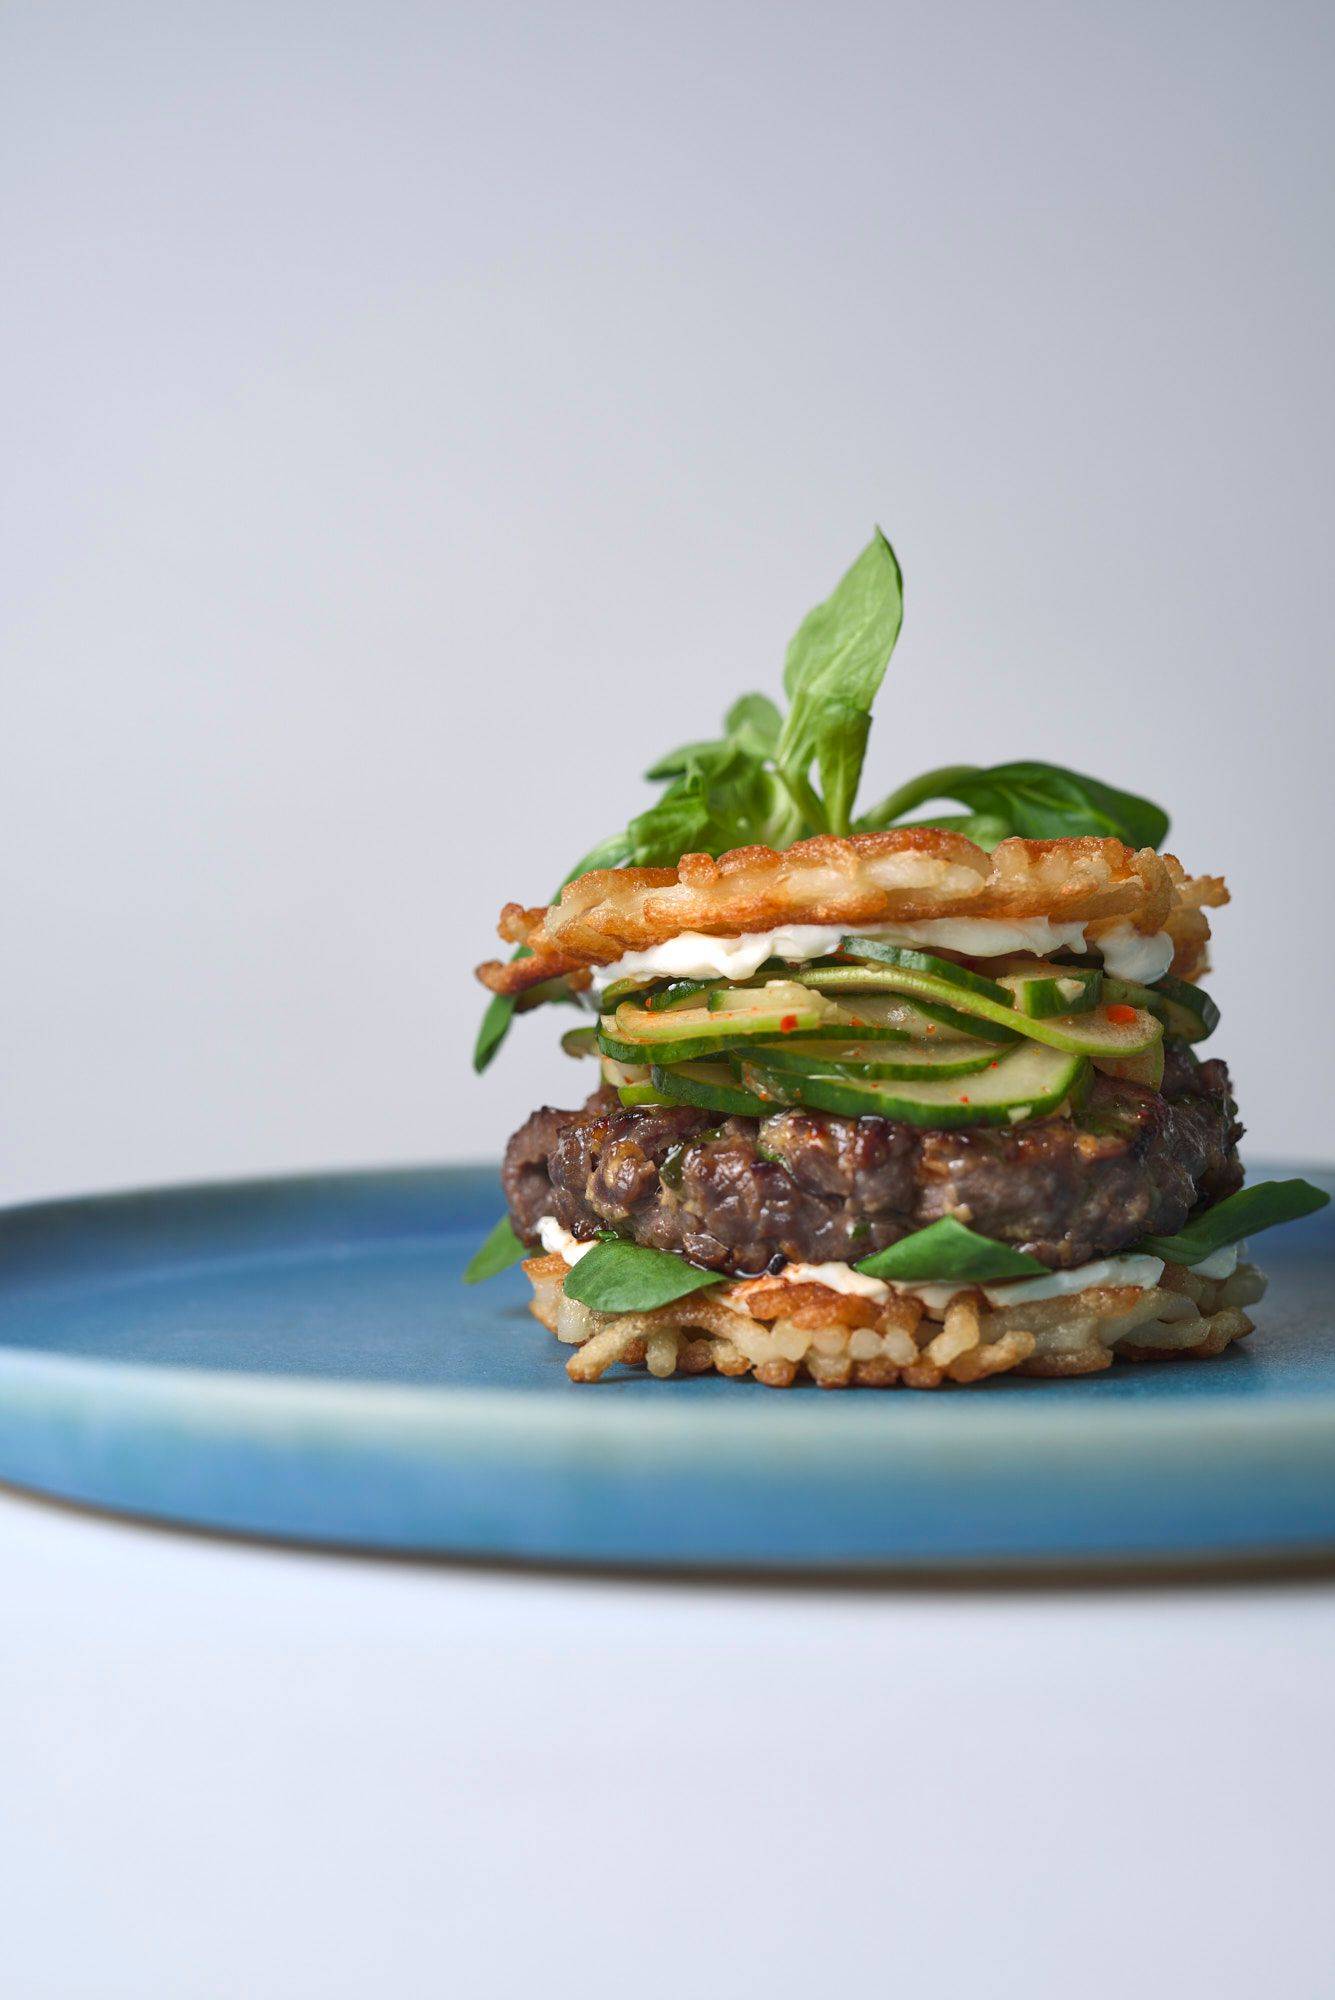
(777, 997)
(1096, 1034)
(626, 989)
(884, 980)
(686, 1033)
(632, 1082)
(1184, 1010)
(1091, 1033)
(878, 952)
(679, 993)
(580, 1041)
(657, 995)
(1146, 1068)
(622, 1075)
(633, 1095)
(877, 1059)
(1040, 988)
(711, 1087)
(1027, 1083)
(866, 1017)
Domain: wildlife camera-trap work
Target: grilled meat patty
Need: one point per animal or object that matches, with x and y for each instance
(745, 1195)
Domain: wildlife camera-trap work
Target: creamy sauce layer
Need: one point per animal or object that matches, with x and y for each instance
(837, 1278)
(1132, 1269)
(1220, 1263)
(694, 955)
(559, 1242)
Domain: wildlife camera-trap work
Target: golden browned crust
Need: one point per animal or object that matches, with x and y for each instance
(906, 875)
(778, 1331)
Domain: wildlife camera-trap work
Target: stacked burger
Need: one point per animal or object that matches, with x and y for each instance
(897, 1102)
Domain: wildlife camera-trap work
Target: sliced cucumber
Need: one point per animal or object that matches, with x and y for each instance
(635, 1095)
(621, 1075)
(626, 989)
(1027, 1083)
(711, 1087)
(883, 980)
(1040, 988)
(655, 994)
(777, 997)
(680, 993)
(876, 1059)
(877, 952)
(678, 1037)
(1146, 1068)
(1185, 1003)
(686, 1033)
(1100, 1032)
(580, 1041)
(1184, 1010)
(1093, 1033)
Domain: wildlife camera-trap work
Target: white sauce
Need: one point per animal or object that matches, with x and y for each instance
(558, 1242)
(694, 955)
(935, 1297)
(1131, 1269)
(1128, 1270)
(1129, 954)
(1220, 1263)
(837, 1278)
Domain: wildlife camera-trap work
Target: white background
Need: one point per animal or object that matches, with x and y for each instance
(414, 418)
(238, 1774)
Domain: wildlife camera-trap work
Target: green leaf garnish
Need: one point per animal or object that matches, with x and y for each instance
(627, 1277)
(501, 1249)
(493, 1029)
(835, 665)
(1246, 1213)
(947, 1252)
(1032, 800)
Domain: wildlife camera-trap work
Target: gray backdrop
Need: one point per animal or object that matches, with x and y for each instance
(417, 417)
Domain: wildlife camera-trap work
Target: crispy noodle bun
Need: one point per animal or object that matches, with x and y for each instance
(778, 1331)
(907, 875)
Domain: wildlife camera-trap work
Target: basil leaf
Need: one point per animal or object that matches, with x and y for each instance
(1246, 1213)
(626, 1277)
(947, 1252)
(753, 723)
(1045, 802)
(1035, 801)
(501, 1249)
(495, 1026)
(835, 665)
(690, 757)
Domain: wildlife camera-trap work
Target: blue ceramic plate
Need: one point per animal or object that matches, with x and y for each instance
(299, 1358)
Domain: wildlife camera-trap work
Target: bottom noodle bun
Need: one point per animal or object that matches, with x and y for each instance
(778, 1331)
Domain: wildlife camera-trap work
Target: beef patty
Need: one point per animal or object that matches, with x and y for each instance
(744, 1195)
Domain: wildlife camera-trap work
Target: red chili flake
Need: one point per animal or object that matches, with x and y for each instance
(1122, 1015)
(788, 1023)
(995, 1063)
(964, 1100)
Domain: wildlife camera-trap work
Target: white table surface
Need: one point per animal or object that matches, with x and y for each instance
(253, 1773)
